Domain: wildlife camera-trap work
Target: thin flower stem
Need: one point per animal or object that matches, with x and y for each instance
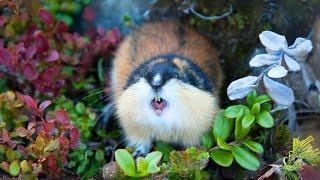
(217, 147)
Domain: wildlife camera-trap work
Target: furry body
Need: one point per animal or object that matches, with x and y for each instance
(179, 67)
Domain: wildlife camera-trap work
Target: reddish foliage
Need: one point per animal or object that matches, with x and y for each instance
(47, 140)
(45, 16)
(40, 53)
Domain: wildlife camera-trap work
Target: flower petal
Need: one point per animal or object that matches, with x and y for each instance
(300, 49)
(291, 63)
(264, 59)
(242, 87)
(278, 92)
(273, 41)
(277, 72)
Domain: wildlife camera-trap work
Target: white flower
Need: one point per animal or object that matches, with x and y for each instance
(277, 50)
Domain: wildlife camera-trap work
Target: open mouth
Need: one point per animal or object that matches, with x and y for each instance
(158, 104)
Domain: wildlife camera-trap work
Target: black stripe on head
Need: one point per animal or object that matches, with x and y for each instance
(158, 70)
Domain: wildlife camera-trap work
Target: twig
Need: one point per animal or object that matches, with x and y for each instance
(209, 18)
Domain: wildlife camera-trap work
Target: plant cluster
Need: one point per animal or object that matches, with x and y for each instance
(43, 53)
(65, 10)
(34, 141)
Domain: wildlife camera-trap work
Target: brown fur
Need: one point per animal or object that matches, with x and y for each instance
(157, 38)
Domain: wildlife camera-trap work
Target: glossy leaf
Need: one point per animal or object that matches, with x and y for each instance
(222, 144)
(248, 120)
(14, 168)
(233, 111)
(125, 162)
(222, 157)
(245, 159)
(99, 156)
(222, 126)
(255, 108)
(254, 146)
(265, 119)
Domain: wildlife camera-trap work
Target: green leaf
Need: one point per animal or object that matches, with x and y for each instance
(80, 108)
(207, 140)
(254, 146)
(99, 155)
(101, 70)
(255, 108)
(222, 157)
(14, 168)
(11, 155)
(222, 126)
(262, 99)
(25, 167)
(52, 145)
(142, 166)
(265, 119)
(153, 159)
(248, 120)
(238, 128)
(251, 98)
(245, 159)
(126, 162)
(266, 107)
(233, 111)
(222, 144)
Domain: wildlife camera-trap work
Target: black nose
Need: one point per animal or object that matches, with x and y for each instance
(156, 81)
(156, 85)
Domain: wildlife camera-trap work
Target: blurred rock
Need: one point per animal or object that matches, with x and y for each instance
(111, 13)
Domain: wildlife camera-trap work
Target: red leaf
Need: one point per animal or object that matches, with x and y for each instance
(53, 55)
(5, 57)
(62, 27)
(5, 136)
(74, 137)
(52, 163)
(31, 51)
(49, 126)
(30, 72)
(2, 20)
(42, 43)
(88, 14)
(21, 131)
(45, 16)
(62, 116)
(31, 103)
(44, 105)
(114, 36)
(5, 165)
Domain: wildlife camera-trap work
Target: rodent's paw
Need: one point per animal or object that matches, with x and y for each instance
(141, 150)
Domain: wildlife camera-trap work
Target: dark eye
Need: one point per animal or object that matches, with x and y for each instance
(176, 75)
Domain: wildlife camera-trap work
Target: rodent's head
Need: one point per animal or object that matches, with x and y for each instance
(167, 88)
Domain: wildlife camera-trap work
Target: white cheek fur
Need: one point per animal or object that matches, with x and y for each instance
(188, 115)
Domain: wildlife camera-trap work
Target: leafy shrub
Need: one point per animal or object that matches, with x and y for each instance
(33, 141)
(44, 54)
(65, 10)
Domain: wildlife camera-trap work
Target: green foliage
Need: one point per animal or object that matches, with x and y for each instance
(65, 10)
(302, 153)
(188, 164)
(243, 118)
(143, 166)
